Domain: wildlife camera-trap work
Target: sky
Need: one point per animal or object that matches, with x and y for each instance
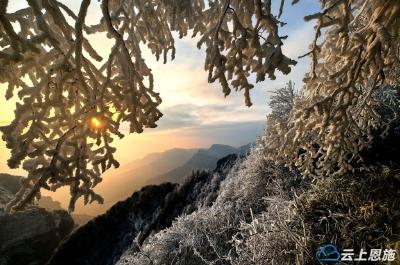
(196, 114)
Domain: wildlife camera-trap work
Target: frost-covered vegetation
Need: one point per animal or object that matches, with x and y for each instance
(268, 214)
(334, 120)
(326, 169)
(204, 236)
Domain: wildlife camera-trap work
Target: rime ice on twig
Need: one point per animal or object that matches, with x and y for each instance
(49, 62)
(335, 118)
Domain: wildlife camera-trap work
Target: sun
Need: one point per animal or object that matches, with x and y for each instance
(96, 123)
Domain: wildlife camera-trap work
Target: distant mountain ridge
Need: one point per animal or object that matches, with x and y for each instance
(204, 159)
(165, 161)
(172, 165)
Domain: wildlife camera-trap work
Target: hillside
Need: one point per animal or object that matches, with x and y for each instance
(264, 212)
(9, 185)
(165, 161)
(10, 182)
(146, 212)
(268, 214)
(30, 236)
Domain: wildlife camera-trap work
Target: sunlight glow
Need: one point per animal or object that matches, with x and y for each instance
(96, 123)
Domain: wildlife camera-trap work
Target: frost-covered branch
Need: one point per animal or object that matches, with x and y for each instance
(337, 117)
(48, 62)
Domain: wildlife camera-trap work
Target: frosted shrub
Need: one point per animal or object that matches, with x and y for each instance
(207, 235)
(270, 237)
(348, 211)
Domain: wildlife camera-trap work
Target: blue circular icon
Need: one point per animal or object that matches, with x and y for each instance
(328, 253)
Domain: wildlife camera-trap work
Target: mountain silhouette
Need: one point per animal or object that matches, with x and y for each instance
(204, 159)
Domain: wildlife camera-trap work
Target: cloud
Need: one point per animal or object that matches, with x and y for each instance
(204, 135)
(183, 116)
(232, 133)
(179, 116)
(184, 80)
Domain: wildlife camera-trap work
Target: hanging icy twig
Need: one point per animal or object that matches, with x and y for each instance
(47, 60)
(336, 118)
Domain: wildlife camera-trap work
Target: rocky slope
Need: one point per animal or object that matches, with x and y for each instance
(5, 197)
(29, 237)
